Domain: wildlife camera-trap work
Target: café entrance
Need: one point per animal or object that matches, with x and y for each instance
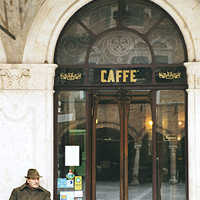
(132, 143)
(116, 125)
(120, 104)
(132, 156)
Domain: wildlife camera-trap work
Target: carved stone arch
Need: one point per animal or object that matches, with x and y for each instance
(43, 35)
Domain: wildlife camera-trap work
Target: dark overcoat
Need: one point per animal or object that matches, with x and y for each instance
(24, 192)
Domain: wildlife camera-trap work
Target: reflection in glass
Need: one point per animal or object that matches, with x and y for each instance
(140, 152)
(139, 16)
(120, 32)
(107, 151)
(71, 130)
(72, 46)
(166, 43)
(98, 16)
(170, 140)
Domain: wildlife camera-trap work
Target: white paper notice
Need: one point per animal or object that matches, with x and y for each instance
(72, 155)
(78, 193)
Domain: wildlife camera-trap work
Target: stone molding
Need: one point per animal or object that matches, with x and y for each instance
(27, 76)
(14, 78)
(193, 74)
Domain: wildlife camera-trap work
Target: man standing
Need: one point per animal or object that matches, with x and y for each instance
(31, 189)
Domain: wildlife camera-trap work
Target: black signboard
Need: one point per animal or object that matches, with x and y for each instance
(119, 76)
(66, 76)
(110, 76)
(170, 75)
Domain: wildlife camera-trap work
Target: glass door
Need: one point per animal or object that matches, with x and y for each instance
(122, 146)
(107, 147)
(138, 145)
(131, 145)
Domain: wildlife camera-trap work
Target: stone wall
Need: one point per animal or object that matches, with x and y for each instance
(16, 17)
(26, 124)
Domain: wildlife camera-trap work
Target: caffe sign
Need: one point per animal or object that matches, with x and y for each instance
(118, 76)
(123, 76)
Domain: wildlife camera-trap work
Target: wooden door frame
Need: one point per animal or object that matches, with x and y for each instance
(123, 106)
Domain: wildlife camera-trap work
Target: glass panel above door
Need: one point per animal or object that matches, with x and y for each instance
(72, 47)
(120, 47)
(120, 32)
(98, 16)
(166, 43)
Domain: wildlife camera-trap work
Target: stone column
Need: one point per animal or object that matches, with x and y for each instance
(193, 75)
(173, 147)
(135, 180)
(26, 124)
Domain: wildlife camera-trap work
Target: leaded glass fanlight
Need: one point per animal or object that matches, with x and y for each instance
(120, 32)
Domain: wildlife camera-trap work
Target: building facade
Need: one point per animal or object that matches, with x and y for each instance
(34, 86)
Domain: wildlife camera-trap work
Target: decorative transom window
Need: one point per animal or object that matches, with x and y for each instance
(120, 32)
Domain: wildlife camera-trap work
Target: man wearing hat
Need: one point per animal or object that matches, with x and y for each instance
(31, 190)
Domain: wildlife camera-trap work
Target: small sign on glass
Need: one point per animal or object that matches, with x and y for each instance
(72, 155)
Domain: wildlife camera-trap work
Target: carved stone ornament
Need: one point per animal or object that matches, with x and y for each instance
(14, 78)
(193, 74)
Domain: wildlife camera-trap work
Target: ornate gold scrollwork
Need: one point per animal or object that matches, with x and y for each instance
(169, 75)
(71, 76)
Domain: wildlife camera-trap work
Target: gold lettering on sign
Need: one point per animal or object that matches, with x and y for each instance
(103, 72)
(169, 75)
(111, 77)
(70, 76)
(125, 75)
(133, 75)
(116, 76)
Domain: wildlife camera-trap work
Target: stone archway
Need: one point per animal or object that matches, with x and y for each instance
(43, 36)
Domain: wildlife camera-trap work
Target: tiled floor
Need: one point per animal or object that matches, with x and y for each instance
(111, 191)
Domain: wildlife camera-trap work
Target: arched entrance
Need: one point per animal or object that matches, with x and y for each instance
(120, 68)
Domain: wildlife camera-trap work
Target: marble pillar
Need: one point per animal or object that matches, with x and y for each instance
(193, 76)
(26, 124)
